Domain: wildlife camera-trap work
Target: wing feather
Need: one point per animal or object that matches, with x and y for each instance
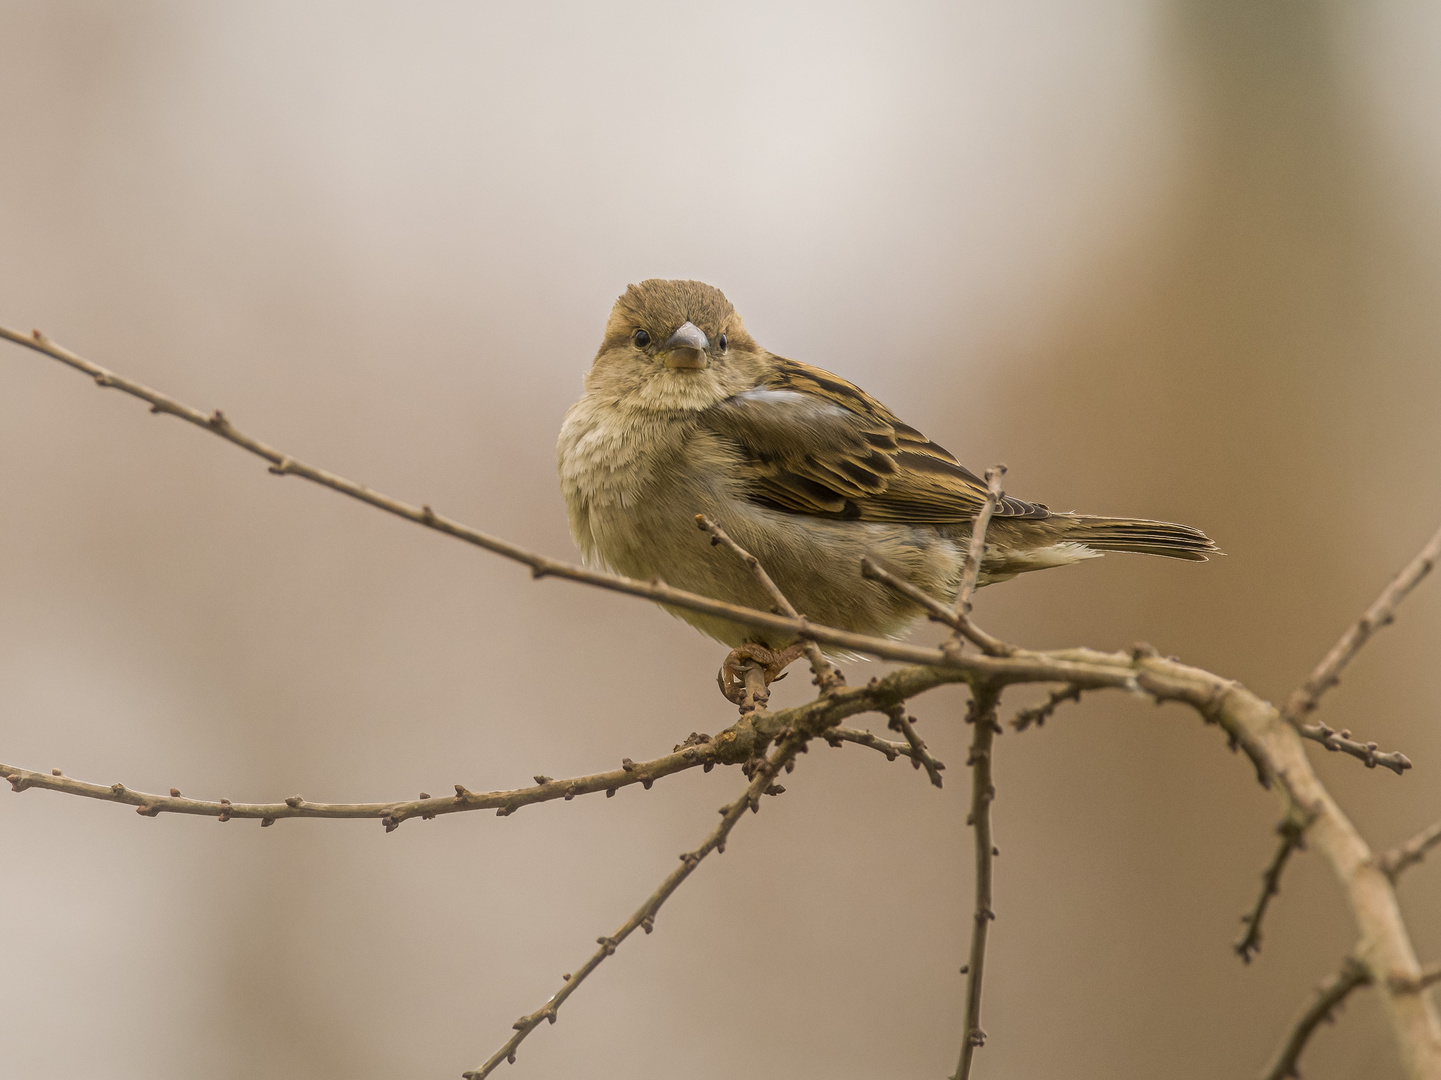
(812, 443)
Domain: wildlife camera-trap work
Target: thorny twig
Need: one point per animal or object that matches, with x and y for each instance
(1039, 714)
(982, 717)
(1292, 832)
(643, 917)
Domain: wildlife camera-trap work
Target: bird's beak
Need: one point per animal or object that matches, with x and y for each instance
(686, 349)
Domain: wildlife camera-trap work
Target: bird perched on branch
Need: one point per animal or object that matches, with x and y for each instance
(685, 414)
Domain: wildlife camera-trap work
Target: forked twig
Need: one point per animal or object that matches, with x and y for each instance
(643, 917)
(1329, 995)
(982, 716)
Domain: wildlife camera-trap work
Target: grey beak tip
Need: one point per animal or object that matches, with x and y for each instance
(689, 336)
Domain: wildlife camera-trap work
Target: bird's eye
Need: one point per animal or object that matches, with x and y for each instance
(723, 343)
(641, 339)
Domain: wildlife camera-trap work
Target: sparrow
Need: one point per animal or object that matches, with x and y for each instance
(685, 414)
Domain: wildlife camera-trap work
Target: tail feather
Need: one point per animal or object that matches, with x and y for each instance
(1139, 535)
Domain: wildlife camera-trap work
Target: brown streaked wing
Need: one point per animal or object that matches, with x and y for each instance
(813, 443)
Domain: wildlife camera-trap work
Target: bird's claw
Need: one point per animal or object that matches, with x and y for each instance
(771, 662)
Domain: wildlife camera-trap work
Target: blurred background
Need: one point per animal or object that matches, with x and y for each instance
(1172, 258)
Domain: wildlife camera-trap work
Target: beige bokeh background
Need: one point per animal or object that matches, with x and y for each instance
(1168, 258)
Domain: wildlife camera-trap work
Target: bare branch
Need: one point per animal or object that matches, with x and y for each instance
(391, 814)
(1411, 852)
(1327, 673)
(643, 917)
(813, 718)
(982, 716)
(1329, 996)
(827, 676)
(920, 756)
(976, 549)
(1292, 832)
(1043, 712)
(935, 610)
(1334, 740)
(837, 735)
(1428, 976)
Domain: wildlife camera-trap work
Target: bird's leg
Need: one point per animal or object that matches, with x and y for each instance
(732, 674)
(783, 659)
(745, 680)
(770, 663)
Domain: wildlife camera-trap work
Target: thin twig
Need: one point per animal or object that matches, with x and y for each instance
(935, 610)
(1329, 996)
(1411, 852)
(1341, 741)
(982, 716)
(1327, 673)
(644, 916)
(838, 735)
(1039, 714)
(1428, 976)
(1292, 832)
(920, 756)
(817, 717)
(391, 814)
(976, 549)
(827, 675)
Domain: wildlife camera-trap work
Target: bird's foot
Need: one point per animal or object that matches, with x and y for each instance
(768, 663)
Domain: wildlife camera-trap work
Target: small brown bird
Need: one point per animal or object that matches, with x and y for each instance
(684, 414)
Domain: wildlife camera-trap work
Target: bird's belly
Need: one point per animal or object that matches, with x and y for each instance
(815, 561)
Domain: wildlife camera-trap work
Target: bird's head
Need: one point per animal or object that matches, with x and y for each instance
(674, 345)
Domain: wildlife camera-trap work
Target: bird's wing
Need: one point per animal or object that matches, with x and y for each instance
(812, 443)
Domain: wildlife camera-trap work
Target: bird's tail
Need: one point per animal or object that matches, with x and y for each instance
(1137, 534)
